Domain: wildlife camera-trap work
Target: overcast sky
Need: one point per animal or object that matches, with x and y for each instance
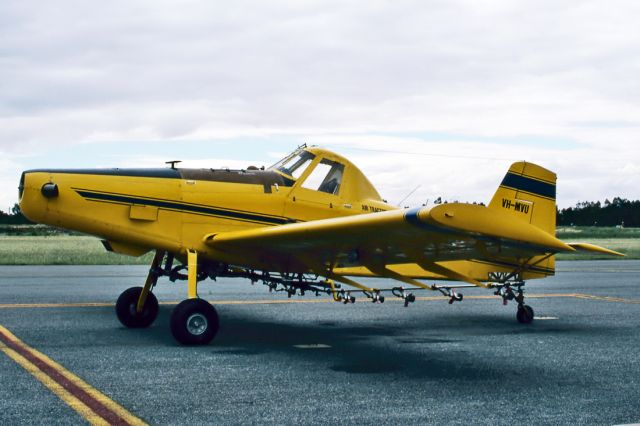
(436, 95)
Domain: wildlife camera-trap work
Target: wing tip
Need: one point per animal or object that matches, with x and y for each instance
(595, 249)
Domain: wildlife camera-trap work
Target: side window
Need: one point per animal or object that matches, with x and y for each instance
(326, 177)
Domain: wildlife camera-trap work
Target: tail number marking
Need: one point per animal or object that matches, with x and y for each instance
(519, 206)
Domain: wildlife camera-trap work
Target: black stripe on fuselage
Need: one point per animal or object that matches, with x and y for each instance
(182, 207)
(529, 185)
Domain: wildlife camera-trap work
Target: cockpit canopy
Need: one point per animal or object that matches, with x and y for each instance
(321, 170)
(325, 177)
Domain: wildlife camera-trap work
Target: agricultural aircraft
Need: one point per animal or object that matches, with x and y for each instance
(311, 223)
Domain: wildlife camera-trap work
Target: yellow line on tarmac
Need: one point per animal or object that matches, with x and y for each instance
(319, 300)
(54, 387)
(91, 404)
(422, 298)
(493, 297)
(271, 302)
(53, 305)
(607, 299)
(110, 305)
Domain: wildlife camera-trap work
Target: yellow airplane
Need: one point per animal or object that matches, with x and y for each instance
(309, 223)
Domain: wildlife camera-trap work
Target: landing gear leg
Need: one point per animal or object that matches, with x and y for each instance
(137, 307)
(194, 321)
(525, 312)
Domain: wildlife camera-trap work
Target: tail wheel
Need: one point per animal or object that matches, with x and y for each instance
(194, 322)
(126, 309)
(525, 314)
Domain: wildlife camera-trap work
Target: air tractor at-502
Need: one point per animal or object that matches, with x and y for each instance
(311, 223)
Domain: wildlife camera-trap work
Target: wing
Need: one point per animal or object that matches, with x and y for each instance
(427, 237)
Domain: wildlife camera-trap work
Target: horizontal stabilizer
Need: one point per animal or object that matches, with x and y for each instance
(594, 248)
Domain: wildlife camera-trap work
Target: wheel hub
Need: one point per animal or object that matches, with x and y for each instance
(133, 309)
(197, 324)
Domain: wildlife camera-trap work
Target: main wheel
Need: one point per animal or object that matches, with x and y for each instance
(126, 309)
(194, 322)
(525, 314)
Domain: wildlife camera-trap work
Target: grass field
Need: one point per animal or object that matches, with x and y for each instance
(623, 240)
(33, 230)
(629, 246)
(29, 245)
(61, 250)
(566, 233)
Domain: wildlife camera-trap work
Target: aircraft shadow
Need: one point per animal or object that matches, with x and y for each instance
(439, 348)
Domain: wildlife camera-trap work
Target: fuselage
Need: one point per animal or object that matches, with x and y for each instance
(138, 210)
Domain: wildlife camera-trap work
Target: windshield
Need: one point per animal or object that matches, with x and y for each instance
(295, 164)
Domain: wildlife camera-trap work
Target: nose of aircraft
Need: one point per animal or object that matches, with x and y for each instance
(21, 186)
(34, 192)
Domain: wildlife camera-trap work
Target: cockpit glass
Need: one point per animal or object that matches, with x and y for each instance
(295, 164)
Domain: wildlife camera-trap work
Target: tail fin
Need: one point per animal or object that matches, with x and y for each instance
(528, 192)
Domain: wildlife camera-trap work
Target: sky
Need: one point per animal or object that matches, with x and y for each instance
(434, 97)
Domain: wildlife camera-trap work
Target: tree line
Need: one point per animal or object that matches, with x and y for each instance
(13, 217)
(618, 212)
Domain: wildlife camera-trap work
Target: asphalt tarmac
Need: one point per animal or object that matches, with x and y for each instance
(324, 363)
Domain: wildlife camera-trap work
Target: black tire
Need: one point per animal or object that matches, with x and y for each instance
(194, 322)
(126, 309)
(525, 314)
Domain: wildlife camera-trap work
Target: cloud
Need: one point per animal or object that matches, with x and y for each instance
(545, 81)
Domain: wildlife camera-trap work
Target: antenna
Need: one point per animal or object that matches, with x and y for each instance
(408, 195)
(173, 163)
